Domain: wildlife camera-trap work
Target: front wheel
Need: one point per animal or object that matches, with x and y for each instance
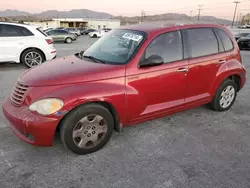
(225, 96)
(87, 129)
(68, 40)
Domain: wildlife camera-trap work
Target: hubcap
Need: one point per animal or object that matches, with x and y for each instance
(33, 59)
(68, 40)
(227, 96)
(89, 131)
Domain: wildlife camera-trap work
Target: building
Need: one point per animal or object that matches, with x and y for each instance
(246, 19)
(78, 23)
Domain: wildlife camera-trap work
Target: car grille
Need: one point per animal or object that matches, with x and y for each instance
(18, 94)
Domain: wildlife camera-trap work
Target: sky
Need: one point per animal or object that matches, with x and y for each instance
(218, 8)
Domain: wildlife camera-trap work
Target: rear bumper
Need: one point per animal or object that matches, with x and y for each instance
(51, 54)
(29, 127)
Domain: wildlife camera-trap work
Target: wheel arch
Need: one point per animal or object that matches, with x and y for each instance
(68, 37)
(110, 107)
(233, 76)
(236, 78)
(29, 48)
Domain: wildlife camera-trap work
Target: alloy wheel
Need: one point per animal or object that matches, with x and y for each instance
(227, 96)
(33, 59)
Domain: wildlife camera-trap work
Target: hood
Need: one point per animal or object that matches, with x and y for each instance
(69, 70)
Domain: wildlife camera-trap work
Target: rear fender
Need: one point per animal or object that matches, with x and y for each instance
(231, 68)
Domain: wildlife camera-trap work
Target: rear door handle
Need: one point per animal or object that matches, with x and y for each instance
(222, 61)
(182, 70)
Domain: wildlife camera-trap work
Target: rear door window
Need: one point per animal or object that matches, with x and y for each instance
(53, 32)
(202, 42)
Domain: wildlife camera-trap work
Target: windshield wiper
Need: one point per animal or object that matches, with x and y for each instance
(95, 59)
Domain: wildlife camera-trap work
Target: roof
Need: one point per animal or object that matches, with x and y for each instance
(152, 26)
(19, 24)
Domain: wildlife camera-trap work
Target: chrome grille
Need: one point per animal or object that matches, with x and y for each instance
(18, 94)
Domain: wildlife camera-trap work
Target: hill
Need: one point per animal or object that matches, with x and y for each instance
(171, 16)
(12, 13)
(76, 13)
(85, 13)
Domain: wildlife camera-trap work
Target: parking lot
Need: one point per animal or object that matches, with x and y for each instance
(196, 148)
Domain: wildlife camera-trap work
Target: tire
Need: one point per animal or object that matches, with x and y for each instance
(94, 36)
(27, 56)
(83, 130)
(68, 40)
(219, 102)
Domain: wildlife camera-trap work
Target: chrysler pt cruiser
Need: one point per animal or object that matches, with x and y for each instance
(131, 75)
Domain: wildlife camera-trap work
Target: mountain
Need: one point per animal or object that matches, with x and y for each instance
(213, 19)
(10, 13)
(85, 13)
(76, 13)
(171, 16)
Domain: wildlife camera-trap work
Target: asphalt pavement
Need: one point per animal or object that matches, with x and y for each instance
(198, 148)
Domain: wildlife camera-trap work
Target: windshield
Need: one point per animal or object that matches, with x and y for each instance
(117, 46)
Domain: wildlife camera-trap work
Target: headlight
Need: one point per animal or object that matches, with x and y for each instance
(47, 106)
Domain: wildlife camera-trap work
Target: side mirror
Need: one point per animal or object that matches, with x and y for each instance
(153, 60)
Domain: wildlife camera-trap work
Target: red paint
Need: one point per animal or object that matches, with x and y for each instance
(137, 94)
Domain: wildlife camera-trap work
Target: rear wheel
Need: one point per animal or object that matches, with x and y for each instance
(225, 96)
(32, 57)
(68, 40)
(94, 36)
(87, 129)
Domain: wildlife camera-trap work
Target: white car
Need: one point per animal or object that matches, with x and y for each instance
(96, 34)
(25, 44)
(73, 30)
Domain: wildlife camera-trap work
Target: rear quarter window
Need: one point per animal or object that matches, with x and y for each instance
(226, 40)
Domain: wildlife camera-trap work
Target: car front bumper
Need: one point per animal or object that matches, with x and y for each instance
(29, 127)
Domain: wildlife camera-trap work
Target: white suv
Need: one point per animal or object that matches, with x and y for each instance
(98, 34)
(25, 44)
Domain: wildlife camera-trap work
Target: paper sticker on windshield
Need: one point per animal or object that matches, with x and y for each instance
(132, 36)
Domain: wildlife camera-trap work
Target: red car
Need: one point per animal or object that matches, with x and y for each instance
(131, 75)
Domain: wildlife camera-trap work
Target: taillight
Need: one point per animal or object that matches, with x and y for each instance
(49, 41)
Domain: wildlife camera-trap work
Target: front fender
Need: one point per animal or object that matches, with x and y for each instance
(111, 91)
(231, 68)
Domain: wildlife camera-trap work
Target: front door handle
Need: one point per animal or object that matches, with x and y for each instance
(182, 70)
(222, 61)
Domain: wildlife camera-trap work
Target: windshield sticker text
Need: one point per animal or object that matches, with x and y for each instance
(132, 36)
